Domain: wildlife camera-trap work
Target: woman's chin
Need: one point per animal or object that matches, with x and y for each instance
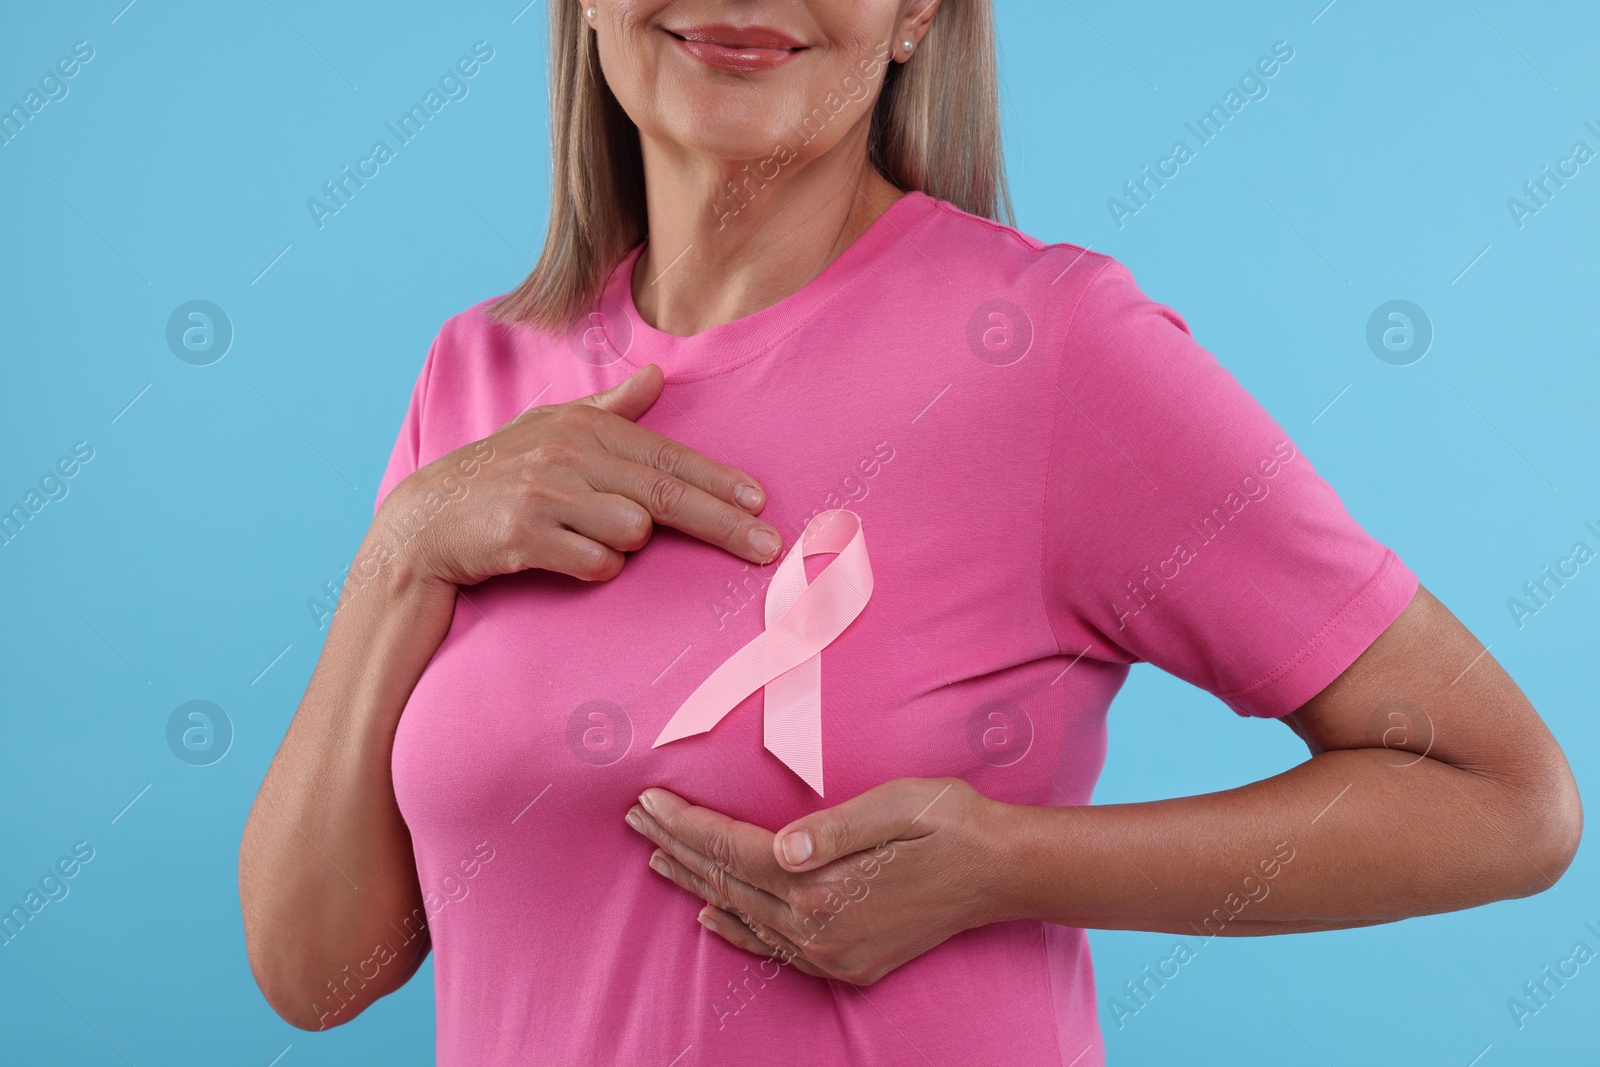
(717, 135)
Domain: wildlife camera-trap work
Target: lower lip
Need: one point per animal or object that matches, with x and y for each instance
(736, 60)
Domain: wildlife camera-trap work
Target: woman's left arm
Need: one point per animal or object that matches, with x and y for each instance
(1433, 786)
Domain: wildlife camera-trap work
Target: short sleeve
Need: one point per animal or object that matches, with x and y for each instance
(1184, 528)
(406, 455)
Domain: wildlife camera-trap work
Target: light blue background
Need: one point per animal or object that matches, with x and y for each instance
(180, 564)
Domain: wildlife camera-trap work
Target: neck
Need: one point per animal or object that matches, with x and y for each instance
(717, 254)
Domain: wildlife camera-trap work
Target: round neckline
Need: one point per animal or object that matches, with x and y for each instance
(724, 347)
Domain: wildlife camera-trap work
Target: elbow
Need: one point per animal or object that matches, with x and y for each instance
(291, 993)
(307, 964)
(285, 965)
(1546, 829)
(303, 981)
(292, 1009)
(1562, 823)
(303, 957)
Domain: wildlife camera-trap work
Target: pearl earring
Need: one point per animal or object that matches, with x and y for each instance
(908, 46)
(590, 14)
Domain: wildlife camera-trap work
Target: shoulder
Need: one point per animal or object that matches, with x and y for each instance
(480, 372)
(1082, 306)
(474, 352)
(473, 329)
(1069, 285)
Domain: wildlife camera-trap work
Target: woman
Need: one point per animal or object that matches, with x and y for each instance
(1045, 480)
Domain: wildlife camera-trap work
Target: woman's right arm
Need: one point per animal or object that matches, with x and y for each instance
(326, 873)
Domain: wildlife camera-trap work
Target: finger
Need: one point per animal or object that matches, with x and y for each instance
(568, 552)
(610, 519)
(895, 811)
(720, 890)
(743, 848)
(732, 929)
(631, 397)
(723, 886)
(671, 501)
(650, 449)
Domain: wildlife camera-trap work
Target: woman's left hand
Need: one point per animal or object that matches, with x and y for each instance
(849, 892)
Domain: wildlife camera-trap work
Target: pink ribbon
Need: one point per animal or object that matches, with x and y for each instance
(786, 657)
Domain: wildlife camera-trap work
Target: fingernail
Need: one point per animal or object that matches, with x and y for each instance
(707, 921)
(644, 802)
(764, 543)
(748, 497)
(797, 847)
(634, 820)
(659, 865)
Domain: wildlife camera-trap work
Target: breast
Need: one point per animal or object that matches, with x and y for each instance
(547, 685)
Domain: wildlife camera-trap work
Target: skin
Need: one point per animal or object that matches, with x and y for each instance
(1479, 806)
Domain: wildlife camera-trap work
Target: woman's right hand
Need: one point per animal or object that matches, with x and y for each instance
(571, 488)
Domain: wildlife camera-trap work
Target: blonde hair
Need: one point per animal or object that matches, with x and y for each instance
(935, 129)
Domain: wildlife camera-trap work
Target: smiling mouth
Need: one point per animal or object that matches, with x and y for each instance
(740, 50)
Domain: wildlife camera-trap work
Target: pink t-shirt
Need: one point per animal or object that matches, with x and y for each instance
(1054, 480)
